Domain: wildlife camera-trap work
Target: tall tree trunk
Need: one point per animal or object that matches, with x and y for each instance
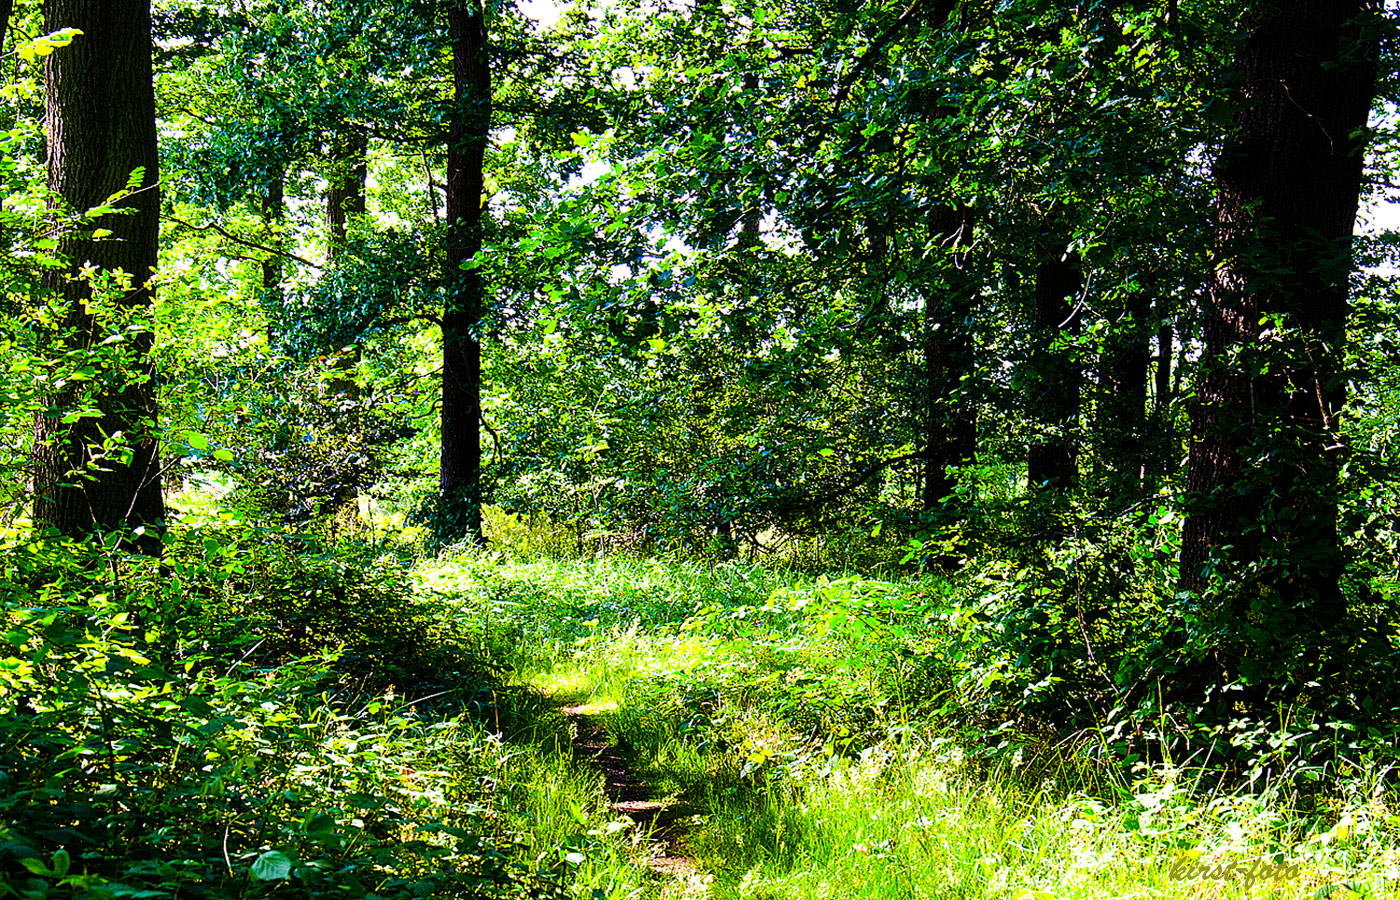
(1162, 451)
(1122, 400)
(1265, 448)
(274, 211)
(6, 8)
(1054, 385)
(345, 191)
(950, 420)
(345, 197)
(1162, 374)
(101, 117)
(459, 481)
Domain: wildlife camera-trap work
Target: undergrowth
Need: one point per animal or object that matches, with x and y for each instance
(844, 737)
(258, 714)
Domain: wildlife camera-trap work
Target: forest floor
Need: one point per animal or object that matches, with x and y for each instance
(476, 724)
(784, 737)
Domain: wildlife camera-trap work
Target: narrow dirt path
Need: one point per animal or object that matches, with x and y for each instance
(662, 822)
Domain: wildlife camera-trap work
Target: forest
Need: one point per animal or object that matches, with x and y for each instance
(741, 449)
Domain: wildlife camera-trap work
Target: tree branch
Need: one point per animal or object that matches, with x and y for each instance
(859, 478)
(495, 438)
(211, 226)
(941, 13)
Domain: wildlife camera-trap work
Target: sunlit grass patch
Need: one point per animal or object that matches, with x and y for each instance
(908, 827)
(553, 814)
(598, 669)
(818, 738)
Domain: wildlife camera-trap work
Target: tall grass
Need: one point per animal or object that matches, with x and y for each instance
(911, 826)
(814, 733)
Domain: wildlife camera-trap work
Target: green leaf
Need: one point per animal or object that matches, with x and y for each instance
(196, 440)
(225, 455)
(319, 823)
(35, 865)
(274, 865)
(61, 862)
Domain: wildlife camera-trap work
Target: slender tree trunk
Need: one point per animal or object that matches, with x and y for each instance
(950, 420)
(1054, 385)
(1122, 402)
(101, 118)
(273, 213)
(460, 471)
(345, 192)
(1265, 448)
(1162, 374)
(345, 197)
(1162, 450)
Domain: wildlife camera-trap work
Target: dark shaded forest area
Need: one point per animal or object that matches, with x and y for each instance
(942, 448)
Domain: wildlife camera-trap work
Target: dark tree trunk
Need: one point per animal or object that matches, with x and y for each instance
(345, 192)
(1122, 404)
(101, 117)
(1265, 448)
(1054, 385)
(460, 472)
(345, 197)
(950, 420)
(273, 212)
(1162, 451)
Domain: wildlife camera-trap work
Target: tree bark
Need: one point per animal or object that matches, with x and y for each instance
(1054, 385)
(1122, 399)
(345, 197)
(1162, 374)
(274, 212)
(459, 484)
(1260, 546)
(1163, 451)
(345, 192)
(950, 420)
(101, 117)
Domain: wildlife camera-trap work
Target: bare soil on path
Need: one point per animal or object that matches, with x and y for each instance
(661, 820)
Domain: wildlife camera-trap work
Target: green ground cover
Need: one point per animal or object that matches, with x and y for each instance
(816, 728)
(268, 715)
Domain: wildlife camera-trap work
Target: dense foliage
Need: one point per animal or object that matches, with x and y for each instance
(936, 385)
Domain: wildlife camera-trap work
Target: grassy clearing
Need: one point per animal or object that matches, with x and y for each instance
(271, 716)
(813, 727)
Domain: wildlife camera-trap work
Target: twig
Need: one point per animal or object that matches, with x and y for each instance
(212, 226)
(942, 14)
(495, 438)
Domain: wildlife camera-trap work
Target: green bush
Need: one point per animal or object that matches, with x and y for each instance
(246, 715)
